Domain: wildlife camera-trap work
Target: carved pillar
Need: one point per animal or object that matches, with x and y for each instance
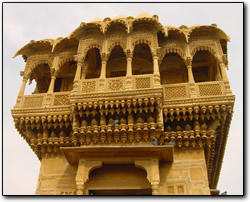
(157, 79)
(224, 76)
(78, 73)
(190, 77)
(84, 72)
(103, 72)
(52, 82)
(48, 98)
(152, 168)
(129, 70)
(190, 73)
(104, 64)
(21, 91)
(82, 175)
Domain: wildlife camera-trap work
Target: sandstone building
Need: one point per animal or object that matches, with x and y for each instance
(127, 106)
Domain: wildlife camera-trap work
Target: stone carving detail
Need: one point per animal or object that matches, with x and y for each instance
(88, 86)
(206, 47)
(175, 92)
(210, 89)
(116, 84)
(176, 190)
(61, 100)
(34, 101)
(142, 82)
(180, 189)
(170, 190)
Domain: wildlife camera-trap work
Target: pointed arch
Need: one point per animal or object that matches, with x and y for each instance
(142, 62)
(205, 67)
(173, 69)
(92, 63)
(42, 75)
(204, 48)
(117, 63)
(65, 76)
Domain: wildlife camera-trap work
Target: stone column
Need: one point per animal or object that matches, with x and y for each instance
(78, 71)
(191, 77)
(21, 91)
(77, 76)
(224, 76)
(223, 72)
(157, 79)
(190, 74)
(129, 70)
(52, 82)
(103, 72)
(84, 72)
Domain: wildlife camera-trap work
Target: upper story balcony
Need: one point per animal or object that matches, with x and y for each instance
(122, 57)
(117, 76)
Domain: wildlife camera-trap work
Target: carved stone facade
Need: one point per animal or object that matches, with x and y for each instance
(127, 106)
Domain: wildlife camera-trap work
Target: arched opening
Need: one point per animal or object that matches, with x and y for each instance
(93, 63)
(42, 76)
(205, 67)
(142, 62)
(65, 77)
(173, 69)
(118, 179)
(117, 63)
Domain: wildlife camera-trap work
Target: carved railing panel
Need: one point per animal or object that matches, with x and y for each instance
(175, 91)
(89, 85)
(30, 101)
(115, 84)
(142, 81)
(61, 99)
(210, 88)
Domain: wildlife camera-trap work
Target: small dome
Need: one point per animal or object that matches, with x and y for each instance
(144, 15)
(195, 25)
(96, 20)
(119, 16)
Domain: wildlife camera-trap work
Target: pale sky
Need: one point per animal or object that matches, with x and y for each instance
(23, 22)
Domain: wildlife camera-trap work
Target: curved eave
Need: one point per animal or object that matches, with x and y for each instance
(64, 42)
(83, 27)
(153, 21)
(221, 34)
(33, 45)
(179, 31)
(116, 21)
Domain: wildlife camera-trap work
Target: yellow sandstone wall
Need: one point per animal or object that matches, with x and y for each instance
(56, 177)
(187, 175)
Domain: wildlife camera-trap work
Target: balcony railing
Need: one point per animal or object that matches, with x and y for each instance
(33, 101)
(212, 88)
(176, 91)
(143, 81)
(60, 98)
(170, 91)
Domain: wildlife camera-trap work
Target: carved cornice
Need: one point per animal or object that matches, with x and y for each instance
(111, 95)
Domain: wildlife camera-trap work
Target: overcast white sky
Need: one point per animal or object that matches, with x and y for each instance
(23, 22)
